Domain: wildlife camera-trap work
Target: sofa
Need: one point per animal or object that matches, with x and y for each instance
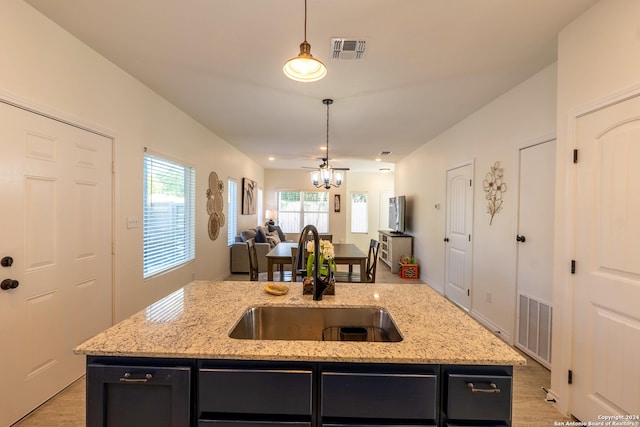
(266, 238)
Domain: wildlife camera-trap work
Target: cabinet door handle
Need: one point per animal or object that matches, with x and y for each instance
(492, 388)
(126, 378)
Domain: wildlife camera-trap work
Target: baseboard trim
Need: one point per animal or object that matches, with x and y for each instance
(497, 331)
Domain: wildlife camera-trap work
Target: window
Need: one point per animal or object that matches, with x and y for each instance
(359, 213)
(299, 208)
(232, 217)
(168, 214)
(260, 208)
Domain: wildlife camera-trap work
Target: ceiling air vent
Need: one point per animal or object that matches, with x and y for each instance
(347, 49)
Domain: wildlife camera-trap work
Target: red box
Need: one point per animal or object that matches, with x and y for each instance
(409, 271)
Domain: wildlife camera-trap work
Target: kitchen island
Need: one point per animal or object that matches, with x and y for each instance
(178, 351)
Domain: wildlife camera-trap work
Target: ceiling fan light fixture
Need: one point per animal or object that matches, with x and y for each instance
(338, 178)
(326, 177)
(304, 67)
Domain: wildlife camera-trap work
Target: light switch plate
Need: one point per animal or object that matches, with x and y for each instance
(132, 222)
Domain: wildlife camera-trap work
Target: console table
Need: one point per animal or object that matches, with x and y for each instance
(393, 246)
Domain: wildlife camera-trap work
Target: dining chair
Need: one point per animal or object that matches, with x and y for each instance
(370, 270)
(372, 261)
(254, 274)
(298, 270)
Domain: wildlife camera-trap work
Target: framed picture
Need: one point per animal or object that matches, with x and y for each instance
(336, 203)
(249, 202)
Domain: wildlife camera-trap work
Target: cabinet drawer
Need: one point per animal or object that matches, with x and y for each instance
(379, 396)
(476, 425)
(378, 425)
(478, 397)
(231, 423)
(123, 395)
(255, 391)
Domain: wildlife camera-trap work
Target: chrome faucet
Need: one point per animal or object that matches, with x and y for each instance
(319, 286)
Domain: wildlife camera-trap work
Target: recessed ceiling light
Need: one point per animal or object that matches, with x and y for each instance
(323, 148)
(272, 158)
(378, 159)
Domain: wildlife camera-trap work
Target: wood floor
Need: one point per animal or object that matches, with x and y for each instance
(529, 406)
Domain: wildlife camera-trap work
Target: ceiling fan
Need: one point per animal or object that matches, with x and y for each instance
(324, 175)
(324, 165)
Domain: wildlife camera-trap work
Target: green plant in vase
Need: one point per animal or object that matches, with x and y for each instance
(326, 262)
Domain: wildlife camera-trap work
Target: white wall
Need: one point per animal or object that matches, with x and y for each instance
(524, 115)
(44, 65)
(598, 58)
(372, 183)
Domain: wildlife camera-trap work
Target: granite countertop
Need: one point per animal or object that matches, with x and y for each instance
(194, 322)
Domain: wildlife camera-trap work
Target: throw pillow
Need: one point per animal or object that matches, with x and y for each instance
(279, 230)
(281, 234)
(273, 235)
(247, 234)
(261, 237)
(273, 241)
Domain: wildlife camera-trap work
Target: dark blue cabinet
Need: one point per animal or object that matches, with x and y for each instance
(138, 394)
(477, 395)
(379, 395)
(248, 394)
(223, 393)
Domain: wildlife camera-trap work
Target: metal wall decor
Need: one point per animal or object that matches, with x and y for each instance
(249, 202)
(494, 187)
(215, 205)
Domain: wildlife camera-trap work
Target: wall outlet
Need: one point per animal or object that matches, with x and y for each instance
(132, 222)
(488, 297)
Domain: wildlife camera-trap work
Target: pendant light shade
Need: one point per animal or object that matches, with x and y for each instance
(304, 67)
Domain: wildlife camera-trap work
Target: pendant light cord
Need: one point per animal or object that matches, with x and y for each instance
(305, 20)
(327, 133)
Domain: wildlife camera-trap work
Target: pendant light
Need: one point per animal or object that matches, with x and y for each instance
(326, 177)
(304, 67)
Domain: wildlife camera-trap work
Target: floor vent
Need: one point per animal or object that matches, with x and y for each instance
(348, 49)
(534, 328)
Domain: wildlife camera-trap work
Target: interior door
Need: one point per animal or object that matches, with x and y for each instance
(606, 320)
(535, 250)
(55, 186)
(459, 222)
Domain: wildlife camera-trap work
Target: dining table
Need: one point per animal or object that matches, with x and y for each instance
(345, 254)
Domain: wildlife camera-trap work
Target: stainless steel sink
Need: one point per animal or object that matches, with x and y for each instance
(373, 324)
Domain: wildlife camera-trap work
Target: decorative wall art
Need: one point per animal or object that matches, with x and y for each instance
(249, 202)
(494, 187)
(336, 203)
(215, 205)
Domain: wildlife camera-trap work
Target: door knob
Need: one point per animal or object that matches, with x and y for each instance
(521, 239)
(9, 284)
(6, 261)
(446, 239)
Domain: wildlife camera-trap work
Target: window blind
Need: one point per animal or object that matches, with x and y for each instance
(232, 216)
(359, 213)
(168, 214)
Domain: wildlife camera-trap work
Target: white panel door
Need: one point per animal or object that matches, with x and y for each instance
(459, 221)
(55, 186)
(535, 249)
(606, 323)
